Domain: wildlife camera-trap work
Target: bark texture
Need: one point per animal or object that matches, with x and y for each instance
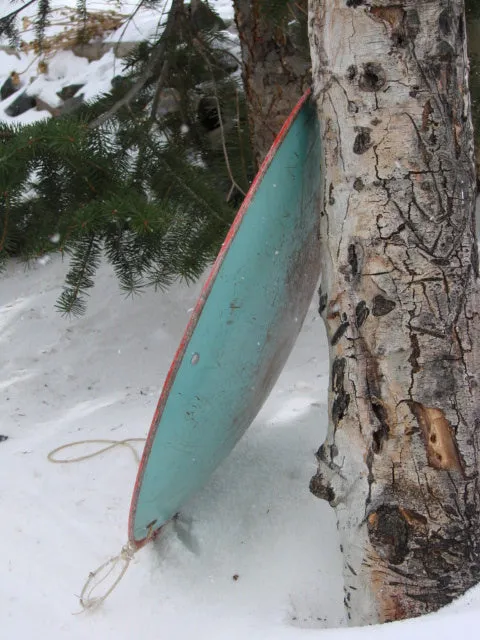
(473, 33)
(400, 300)
(276, 70)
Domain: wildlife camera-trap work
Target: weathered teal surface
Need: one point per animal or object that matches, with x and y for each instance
(242, 331)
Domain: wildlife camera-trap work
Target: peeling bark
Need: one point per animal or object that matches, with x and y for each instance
(400, 300)
(276, 70)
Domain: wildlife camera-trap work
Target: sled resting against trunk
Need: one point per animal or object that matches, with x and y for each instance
(242, 330)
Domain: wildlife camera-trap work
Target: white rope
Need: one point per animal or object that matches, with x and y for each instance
(111, 444)
(88, 601)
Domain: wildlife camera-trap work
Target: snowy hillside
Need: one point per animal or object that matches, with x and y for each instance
(63, 67)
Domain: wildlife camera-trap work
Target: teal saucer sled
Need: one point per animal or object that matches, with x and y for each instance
(242, 330)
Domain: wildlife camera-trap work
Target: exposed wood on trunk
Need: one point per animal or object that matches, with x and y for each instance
(400, 300)
(275, 72)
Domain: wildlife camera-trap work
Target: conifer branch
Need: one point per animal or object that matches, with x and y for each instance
(138, 192)
(199, 46)
(128, 21)
(152, 64)
(85, 262)
(42, 19)
(82, 14)
(13, 14)
(3, 238)
(160, 85)
(195, 196)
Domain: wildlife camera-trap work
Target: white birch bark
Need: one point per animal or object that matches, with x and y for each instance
(400, 300)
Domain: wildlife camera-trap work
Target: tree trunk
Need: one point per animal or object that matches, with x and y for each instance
(400, 301)
(276, 68)
(473, 34)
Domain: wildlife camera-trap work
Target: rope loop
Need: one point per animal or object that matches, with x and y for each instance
(95, 579)
(119, 563)
(90, 602)
(110, 444)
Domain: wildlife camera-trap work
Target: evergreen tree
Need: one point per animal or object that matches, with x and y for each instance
(149, 175)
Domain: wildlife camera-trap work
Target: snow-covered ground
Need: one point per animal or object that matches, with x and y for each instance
(64, 68)
(99, 377)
